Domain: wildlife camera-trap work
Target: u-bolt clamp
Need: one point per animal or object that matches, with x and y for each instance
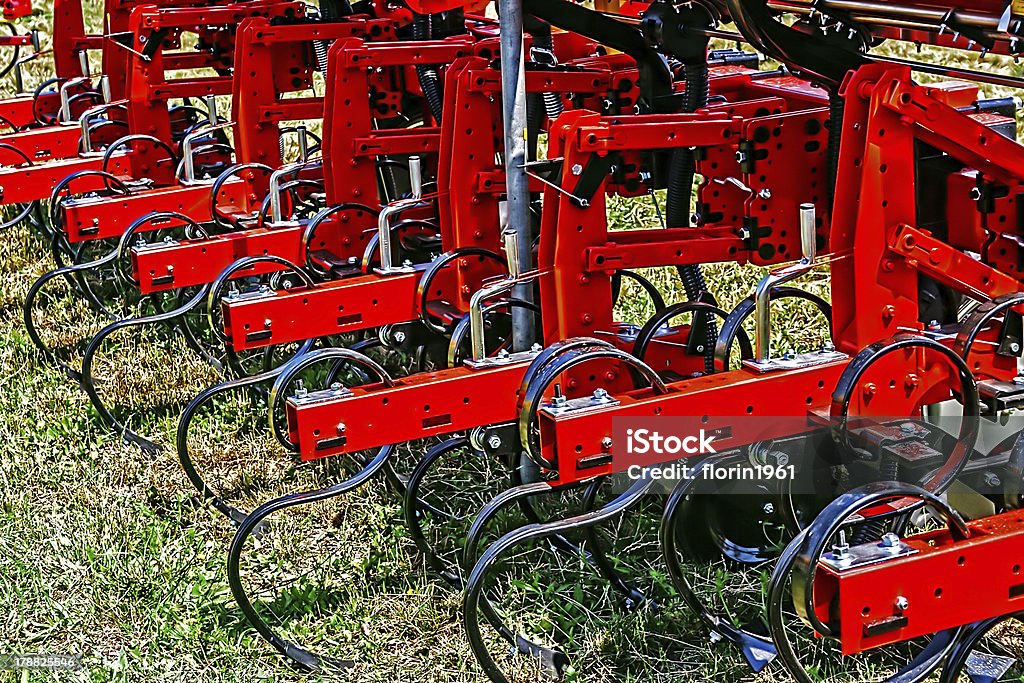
(64, 116)
(276, 217)
(476, 302)
(188, 144)
(394, 209)
(88, 116)
(762, 310)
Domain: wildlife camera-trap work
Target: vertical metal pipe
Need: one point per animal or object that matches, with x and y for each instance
(808, 231)
(513, 90)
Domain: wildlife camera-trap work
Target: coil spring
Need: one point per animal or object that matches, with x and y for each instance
(320, 48)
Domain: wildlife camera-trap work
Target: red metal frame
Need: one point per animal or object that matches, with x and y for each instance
(948, 582)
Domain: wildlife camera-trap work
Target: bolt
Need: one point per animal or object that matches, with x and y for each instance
(828, 347)
(902, 603)
(764, 194)
(992, 480)
(744, 234)
(695, 218)
(606, 444)
(1018, 380)
(934, 325)
(715, 637)
(407, 263)
(336, 387)
(841, 549)
(494, 442)
(536, 348)
(790, 354)
(890, 540)
(340, 428)
(398, 336)
(503, 353)
(1015, 347)
(768, 508)
(577, 169)
(741, 157)
(559, 398)
(781, 459)
(601, 394)
(267, 323)
(300, 389)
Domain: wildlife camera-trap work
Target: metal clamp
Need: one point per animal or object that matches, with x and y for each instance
(91, 114)
(188, 144)
(762, 312)
(65, 95)
(510, 242)
(393, 209)
(276, 211)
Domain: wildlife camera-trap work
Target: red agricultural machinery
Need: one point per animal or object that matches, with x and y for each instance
(426, 182)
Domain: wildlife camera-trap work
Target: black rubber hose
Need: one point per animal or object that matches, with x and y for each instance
(430, 83)
(677, 210)
(836, 110)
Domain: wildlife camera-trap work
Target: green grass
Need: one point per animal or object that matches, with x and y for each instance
(106, 552)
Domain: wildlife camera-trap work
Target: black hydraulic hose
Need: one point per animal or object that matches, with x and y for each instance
(836, 110)
(655, 79)
(536, 103)
(430, 82)
(677, 210)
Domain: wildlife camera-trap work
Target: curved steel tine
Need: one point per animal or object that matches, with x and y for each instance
(33, 293)
(181, 441)
(474, 599)
(89, 384)
(301, 655)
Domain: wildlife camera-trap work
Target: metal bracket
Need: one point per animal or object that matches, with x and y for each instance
(864, 555)
(797, 361)
(599, 399)
(502, 359)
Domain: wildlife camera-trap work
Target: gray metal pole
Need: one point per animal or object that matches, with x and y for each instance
(513, 89)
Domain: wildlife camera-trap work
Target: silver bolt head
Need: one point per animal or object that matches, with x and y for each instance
(600, 394)
(399, 336)
(494, 441)
(768, 508)
(606, 443)
(764, 194)
(1019, 379)
(577, 169)
(890, 540)
(902, 603)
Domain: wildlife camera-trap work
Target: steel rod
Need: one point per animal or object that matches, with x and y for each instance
(517, 188)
